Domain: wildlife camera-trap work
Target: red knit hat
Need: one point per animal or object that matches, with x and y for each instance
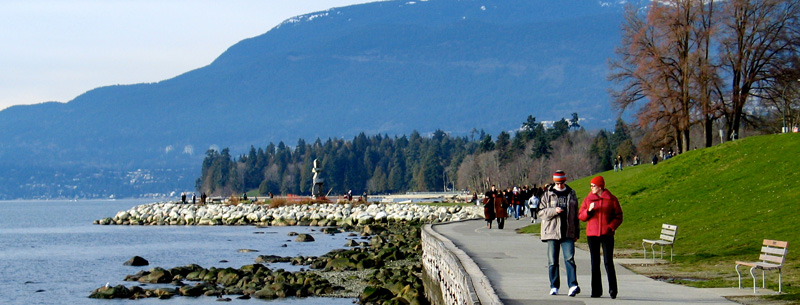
(559, 176)
(599, 181)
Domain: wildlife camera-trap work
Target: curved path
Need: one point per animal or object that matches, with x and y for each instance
(516, 266)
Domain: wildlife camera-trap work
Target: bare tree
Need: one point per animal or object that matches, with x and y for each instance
(757, 36)
(658, 62)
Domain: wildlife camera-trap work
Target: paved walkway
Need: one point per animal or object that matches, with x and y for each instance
(516, 266)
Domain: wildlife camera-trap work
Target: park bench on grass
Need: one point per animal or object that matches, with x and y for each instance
(667, 238)
(772, 256)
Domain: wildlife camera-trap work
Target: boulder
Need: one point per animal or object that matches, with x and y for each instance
(156, 275)
(283, 290)
(265, 293)
(375, 295)
(136, 261)
(192, 291)
(340, 264)
(266, 259)
(331, 230)
(108, 292)
(304, 238)
(365, 263)
(164, 293)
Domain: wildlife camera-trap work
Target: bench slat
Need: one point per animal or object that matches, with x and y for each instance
(668, 237)
(669, 227)
(776, 243)
(771, 250)
(668, 232)
(771, 258)
(759, 265)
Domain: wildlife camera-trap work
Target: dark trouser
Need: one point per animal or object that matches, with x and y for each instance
(607, 242)
(501, 222)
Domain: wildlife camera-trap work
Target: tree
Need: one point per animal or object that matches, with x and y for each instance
(601, 148)
(707, 73)
(757, 36)
(656, 62)
(574, 122)
(486, 144)
(503, 144)
(378, 182)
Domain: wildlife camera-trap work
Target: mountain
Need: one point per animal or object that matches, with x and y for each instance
(387, 67)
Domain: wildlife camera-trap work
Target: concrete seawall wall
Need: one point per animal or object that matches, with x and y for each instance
(460, 281)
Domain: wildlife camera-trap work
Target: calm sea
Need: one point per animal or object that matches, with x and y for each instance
(51, 253)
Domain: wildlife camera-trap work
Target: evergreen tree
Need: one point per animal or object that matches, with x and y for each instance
(487, 144)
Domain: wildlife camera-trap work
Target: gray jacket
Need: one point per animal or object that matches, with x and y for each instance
(551, 222)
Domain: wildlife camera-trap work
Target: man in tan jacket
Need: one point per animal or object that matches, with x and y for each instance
(558, 211)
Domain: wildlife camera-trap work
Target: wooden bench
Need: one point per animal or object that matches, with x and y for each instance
(772, 256)
(667, 238)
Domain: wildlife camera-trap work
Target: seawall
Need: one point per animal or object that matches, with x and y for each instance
(451, 276)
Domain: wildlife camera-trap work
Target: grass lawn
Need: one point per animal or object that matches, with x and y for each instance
(725, 200)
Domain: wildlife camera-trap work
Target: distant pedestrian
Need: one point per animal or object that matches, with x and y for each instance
(501, 207)
(603, 215)
(533, 202)
(194, 198)
(516, 203)
(655, 159)
(183, 197)
(488, 206)
(560, 229)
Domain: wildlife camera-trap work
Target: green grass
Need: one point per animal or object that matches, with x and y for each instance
(725, 200)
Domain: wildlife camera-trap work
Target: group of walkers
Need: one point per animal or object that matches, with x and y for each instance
(556, 205)
(203, 198)
(500, 204)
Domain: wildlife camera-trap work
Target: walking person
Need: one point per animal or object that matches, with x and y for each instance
(603, 215)
(533, 202)
(558, 211)
(516, 198)
(488, 206)
(501, 209)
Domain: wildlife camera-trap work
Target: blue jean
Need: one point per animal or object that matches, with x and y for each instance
(518, 211)
(568, 248)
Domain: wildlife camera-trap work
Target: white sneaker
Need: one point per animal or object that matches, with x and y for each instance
(554, 291)
(574, 290)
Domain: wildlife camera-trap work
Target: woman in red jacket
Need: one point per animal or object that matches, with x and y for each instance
(603, 215)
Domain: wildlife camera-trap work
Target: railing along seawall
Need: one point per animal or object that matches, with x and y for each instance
(460, 280)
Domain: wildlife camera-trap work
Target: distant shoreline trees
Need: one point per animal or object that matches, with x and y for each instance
(383, 164)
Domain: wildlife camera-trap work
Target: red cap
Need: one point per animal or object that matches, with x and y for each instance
(599, 181)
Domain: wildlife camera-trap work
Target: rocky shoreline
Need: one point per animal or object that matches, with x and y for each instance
(383, 268)
(315, 214)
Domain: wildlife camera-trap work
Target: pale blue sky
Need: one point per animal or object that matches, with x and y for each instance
(57, 50)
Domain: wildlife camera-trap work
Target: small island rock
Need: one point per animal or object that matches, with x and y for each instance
(136, 261)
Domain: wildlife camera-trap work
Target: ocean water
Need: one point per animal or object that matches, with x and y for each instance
(51, 253)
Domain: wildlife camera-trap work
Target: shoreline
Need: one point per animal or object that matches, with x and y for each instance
(314, 214)
(386, 264)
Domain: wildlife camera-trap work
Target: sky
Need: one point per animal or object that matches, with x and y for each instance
(56, 50)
